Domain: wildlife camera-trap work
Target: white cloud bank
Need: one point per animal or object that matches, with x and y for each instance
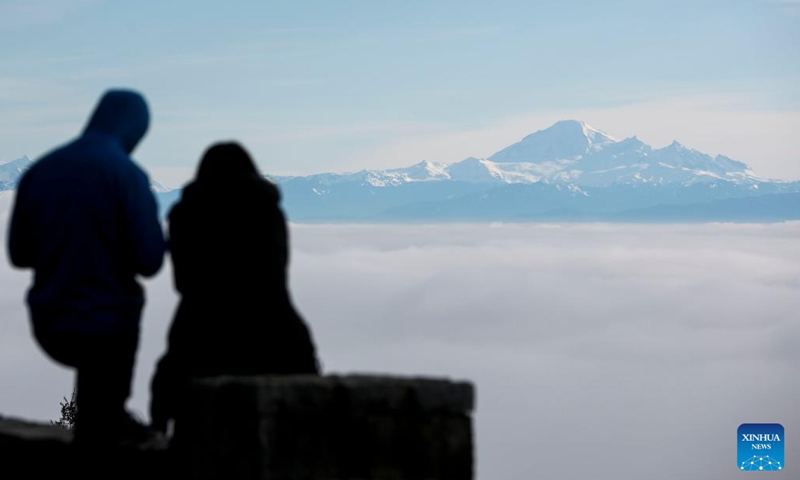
(598, 351)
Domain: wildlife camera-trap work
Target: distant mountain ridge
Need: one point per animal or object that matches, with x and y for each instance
(11, 171)
(569, 170)
(569, 152)
(565, 172)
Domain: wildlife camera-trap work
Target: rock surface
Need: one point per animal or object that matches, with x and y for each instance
(35, 450)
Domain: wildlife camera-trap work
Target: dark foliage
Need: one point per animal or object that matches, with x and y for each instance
(69, 410)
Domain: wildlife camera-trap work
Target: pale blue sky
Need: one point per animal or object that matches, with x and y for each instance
(313, 86)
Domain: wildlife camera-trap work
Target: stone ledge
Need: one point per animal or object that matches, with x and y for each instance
(333, 428)
(357, 393)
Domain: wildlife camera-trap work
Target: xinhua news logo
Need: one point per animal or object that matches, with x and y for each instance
(760, 447)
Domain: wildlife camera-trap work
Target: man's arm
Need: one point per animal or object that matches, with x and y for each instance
(147, 237)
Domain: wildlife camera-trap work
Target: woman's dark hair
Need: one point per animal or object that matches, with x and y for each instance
(224, 161)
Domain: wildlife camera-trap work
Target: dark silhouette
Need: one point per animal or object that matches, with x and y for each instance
(229, 248)
(85, 220)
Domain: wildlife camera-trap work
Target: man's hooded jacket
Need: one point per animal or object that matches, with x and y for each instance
(86, 221)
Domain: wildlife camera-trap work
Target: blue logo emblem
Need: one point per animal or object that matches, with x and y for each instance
(760, 447)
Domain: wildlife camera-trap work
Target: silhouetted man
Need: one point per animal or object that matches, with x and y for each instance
(85, 220)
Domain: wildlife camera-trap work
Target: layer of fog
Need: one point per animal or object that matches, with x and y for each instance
(598, 351)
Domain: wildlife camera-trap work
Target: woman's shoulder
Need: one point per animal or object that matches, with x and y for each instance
(256, 191)
(269, 188)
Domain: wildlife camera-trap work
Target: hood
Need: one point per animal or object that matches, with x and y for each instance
(121, 114)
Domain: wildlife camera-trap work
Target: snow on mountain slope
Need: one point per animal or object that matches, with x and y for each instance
(565, 140)
(569, 152)
(11, 171)
(475, 170)
(157, 187)
(423, 171)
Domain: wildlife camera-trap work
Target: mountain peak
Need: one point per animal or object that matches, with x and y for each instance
(422, 171)
(23, 160)
(682, 149)
(579, 126)
(475, 170)
(569, 123)
(634, 140)
(594, 135)
(564, 140)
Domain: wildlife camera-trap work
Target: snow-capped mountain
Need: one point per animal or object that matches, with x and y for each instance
(157, 187)
(565, 140)
(569, 171)
(569, 152)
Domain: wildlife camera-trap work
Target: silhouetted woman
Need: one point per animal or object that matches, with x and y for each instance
(229, 248)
